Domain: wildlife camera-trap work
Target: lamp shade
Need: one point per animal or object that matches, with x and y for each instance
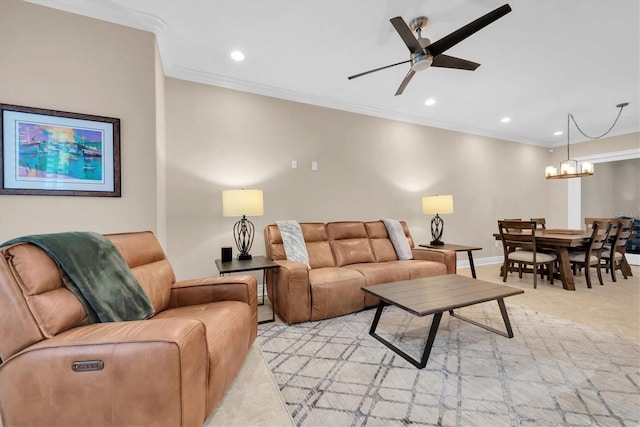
(437, 204)
(242, 202)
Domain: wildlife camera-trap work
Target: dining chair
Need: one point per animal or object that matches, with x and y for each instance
(592, 255)
(519, 246)
(614, 257)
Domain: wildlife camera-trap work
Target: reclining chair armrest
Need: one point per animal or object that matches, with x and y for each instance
(163, 362)
(243, 288)
(444, 256)
(293, 293)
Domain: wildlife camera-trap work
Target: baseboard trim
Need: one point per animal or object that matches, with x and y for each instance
(464, 263)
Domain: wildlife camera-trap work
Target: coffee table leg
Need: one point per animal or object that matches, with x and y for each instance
(505, 318)
(427, 347)
(473, 267)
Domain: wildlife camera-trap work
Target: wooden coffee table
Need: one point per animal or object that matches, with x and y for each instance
(435, 295)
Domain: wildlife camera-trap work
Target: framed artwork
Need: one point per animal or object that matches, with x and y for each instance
(55, 153)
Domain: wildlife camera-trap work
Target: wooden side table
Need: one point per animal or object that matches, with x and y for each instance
(254, 264)
(458, 248)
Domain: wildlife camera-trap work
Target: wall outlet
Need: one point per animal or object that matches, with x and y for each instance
(314, 166)
(294, 164)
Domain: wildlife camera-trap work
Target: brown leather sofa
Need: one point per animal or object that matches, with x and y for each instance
(343, 256)
(169, 370)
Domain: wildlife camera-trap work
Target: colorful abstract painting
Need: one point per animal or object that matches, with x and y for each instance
(56, 151)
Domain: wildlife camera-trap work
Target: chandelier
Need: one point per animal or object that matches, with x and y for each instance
(571, 168)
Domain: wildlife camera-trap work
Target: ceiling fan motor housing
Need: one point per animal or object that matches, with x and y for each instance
(421, 61)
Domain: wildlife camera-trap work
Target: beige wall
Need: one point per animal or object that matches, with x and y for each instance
(369, 168)
(613, 191)
(60, 61)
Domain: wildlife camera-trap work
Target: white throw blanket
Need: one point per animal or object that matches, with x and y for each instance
(293, 241)
(398, 238)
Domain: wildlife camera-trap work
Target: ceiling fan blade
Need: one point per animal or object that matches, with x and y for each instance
(405, 82)
(377, 69)
(462, 33)
(446, 61)
(405, 33)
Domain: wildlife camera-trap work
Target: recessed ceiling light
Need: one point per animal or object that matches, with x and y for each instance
(505, 119)
(430, 101)
(236, 55)
(558, 132)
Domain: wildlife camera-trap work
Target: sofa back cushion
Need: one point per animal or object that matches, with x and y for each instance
(315, 238)
(381, 244)
(33, 299)
(149, 265)
(349, 242)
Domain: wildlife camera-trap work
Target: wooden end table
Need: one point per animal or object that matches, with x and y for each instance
(458, 248)
(435, 295)
(254, 264)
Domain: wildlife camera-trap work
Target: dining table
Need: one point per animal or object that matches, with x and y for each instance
(560, 240)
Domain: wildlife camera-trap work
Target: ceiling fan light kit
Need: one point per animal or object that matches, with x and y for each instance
(425, 54)
(571, 168)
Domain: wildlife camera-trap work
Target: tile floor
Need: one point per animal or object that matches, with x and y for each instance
(253, 399)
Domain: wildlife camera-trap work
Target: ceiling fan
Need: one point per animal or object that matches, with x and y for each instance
(425, 54)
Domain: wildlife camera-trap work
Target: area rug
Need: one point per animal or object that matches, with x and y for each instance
(552, 373)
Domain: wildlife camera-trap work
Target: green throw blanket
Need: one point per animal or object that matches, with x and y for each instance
(94, 270)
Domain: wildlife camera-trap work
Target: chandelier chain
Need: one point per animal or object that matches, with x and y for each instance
(589, 136)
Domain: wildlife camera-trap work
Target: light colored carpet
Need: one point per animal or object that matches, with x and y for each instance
(553, 372)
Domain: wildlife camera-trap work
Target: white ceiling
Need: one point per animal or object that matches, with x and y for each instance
(545, 59)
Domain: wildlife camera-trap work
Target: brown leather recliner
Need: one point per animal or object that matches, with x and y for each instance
(173, 369)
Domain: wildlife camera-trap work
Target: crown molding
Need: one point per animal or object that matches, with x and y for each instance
(198, 76)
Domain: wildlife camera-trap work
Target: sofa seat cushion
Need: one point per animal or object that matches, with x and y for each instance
(376, 273)
(228, 326)
(423, 268)
(394, 271)
(335, 291)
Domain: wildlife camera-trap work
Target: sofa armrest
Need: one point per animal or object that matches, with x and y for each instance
(243, 288)
(446, 257)
(289, 287)
(160, 363)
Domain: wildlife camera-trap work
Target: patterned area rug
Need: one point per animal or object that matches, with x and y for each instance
(553, 372)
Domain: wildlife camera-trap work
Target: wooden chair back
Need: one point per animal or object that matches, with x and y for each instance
(599, 236)
(541, 223)
(517, 234)
(623, 234)
(588, 222)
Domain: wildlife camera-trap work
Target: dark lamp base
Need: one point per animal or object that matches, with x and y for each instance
(436, 243)
(244, 257)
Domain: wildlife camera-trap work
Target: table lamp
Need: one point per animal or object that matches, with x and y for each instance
(243, 203)
(437, 205)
